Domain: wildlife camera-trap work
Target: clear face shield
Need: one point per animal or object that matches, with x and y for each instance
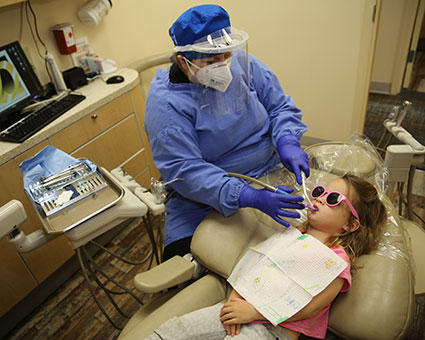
(218, 67)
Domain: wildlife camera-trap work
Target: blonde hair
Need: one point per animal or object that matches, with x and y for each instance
(372, 213)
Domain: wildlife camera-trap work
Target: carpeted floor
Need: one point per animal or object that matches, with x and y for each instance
(380, 106)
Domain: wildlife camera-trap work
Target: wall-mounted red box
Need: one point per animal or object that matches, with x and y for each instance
(64, 35)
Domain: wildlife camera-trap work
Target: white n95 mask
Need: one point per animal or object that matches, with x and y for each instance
(217, 75)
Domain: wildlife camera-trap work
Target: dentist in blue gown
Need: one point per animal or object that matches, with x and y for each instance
(219, 109)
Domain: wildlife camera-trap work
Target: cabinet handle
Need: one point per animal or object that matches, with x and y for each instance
(94, 116)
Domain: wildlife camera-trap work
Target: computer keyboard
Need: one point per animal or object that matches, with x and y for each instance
(38, 119)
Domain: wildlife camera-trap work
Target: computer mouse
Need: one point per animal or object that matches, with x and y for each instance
(115, 79)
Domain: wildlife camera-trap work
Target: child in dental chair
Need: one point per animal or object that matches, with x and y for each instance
(349, 220)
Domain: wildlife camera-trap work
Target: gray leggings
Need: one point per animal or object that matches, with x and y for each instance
(205, 324)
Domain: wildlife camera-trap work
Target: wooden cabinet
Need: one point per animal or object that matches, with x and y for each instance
(120, 143)
(110, 136)
(9, 2)
(139, 107)
(16, 281)
(91, 126)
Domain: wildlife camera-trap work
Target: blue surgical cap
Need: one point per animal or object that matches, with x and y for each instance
(197, 22)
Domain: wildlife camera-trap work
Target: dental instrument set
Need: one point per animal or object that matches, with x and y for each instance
(66, 187)
(65, 175)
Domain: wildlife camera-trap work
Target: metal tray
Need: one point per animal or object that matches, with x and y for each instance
(66, 187)
(89, 204)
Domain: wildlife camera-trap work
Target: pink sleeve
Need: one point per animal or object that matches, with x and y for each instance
(346, 274)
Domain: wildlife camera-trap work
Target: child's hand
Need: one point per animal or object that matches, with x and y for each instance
(238, 311)
(232, 330)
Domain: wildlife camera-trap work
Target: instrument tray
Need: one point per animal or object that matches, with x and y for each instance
(104, 193)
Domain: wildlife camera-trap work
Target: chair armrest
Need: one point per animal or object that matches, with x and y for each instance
(168, 274)
(207, 291)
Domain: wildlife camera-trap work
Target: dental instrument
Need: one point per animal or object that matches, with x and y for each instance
(275, 189)
(306, 196)
(312, 208)
(158, 189)
(395, 118)
(405, 108)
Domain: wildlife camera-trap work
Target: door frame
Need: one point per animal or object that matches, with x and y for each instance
(408, 69)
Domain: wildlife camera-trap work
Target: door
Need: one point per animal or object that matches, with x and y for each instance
(399, 26)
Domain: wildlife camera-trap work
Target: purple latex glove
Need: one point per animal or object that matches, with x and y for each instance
(271, 203)
(293, 157)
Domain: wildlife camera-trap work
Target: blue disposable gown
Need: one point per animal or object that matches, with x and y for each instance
(201, 146)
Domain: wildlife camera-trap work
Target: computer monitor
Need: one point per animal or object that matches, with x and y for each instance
(19, 84)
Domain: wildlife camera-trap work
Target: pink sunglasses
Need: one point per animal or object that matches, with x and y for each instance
(333, 198)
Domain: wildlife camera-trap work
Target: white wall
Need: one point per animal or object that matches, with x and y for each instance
(320, 50)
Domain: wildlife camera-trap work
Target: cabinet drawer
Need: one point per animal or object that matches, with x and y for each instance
(137, 164)
(113, 147)
(72, 137)
(144, 178)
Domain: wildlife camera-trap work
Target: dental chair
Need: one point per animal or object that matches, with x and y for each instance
(379, 305)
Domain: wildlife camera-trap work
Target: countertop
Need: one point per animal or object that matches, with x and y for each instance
(97, 93)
